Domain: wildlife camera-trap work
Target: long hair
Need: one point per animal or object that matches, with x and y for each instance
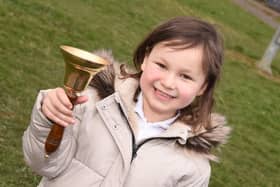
(183, 33)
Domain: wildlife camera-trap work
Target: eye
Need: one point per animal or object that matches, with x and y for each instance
(160, 65)
(186, 77)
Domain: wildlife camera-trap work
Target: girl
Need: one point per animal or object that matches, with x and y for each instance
(151, 128)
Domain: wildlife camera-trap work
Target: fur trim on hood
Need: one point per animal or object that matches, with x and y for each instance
(206, 139)
(201, 142)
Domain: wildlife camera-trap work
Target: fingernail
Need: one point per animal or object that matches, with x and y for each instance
(73, 121)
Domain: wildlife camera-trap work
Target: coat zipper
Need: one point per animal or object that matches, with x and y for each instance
(153, 138)
(135, 147)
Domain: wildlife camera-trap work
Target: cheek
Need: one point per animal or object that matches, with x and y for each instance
(150, 75)
(187, 95)
(145, 81)
(148, 79)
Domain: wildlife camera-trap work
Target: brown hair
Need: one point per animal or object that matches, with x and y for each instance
(182, 33)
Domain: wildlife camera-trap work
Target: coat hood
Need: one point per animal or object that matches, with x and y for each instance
(107, 81)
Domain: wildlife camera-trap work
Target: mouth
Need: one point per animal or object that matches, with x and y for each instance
(163, 95)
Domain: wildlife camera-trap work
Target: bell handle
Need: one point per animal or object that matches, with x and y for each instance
(55, 135)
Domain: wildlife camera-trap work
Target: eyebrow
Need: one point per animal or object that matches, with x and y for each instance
(162, 59)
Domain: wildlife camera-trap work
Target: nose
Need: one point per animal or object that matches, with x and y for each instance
(168, 81)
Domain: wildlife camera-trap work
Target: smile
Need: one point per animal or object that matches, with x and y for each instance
(163, 95)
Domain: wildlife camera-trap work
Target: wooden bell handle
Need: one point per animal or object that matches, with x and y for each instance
(55, 135)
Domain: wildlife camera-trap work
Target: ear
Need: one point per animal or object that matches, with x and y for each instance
(143, 65)
(202, 89)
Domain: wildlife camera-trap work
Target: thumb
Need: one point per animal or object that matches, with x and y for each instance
(81, 99)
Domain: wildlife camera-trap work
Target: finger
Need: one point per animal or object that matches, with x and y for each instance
(61, 112)
(58, 118)
(53, 118)
(63, 98)
(56, 106)
(81, 99)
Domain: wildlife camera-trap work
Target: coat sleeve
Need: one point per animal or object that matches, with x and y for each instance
(34, 140)
(197, 176)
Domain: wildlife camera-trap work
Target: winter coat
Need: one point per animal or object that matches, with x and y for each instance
(100, 149)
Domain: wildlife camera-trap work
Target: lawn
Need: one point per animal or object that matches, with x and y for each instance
(32, 31)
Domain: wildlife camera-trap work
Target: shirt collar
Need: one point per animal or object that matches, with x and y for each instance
(162, 124)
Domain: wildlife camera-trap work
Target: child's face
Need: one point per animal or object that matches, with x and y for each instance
(171, 80)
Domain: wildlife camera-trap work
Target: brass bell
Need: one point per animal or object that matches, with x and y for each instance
(80, 67)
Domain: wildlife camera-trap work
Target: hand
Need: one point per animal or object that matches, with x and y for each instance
(57, 107)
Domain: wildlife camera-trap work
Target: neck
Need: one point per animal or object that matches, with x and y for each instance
(155, 116)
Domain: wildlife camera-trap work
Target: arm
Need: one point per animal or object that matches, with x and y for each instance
(197, 176)
(34, 141)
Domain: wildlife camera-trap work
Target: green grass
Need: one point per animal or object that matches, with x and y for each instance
(30, 35)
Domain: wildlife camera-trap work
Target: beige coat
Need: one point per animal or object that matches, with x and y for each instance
(100, 149)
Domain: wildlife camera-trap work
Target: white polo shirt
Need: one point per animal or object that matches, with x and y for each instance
(147, 129)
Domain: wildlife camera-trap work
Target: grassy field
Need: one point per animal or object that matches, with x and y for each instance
(32, 31)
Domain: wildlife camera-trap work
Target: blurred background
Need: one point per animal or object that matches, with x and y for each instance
(31, 32)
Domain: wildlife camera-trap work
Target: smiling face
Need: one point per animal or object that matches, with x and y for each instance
(171, 79)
